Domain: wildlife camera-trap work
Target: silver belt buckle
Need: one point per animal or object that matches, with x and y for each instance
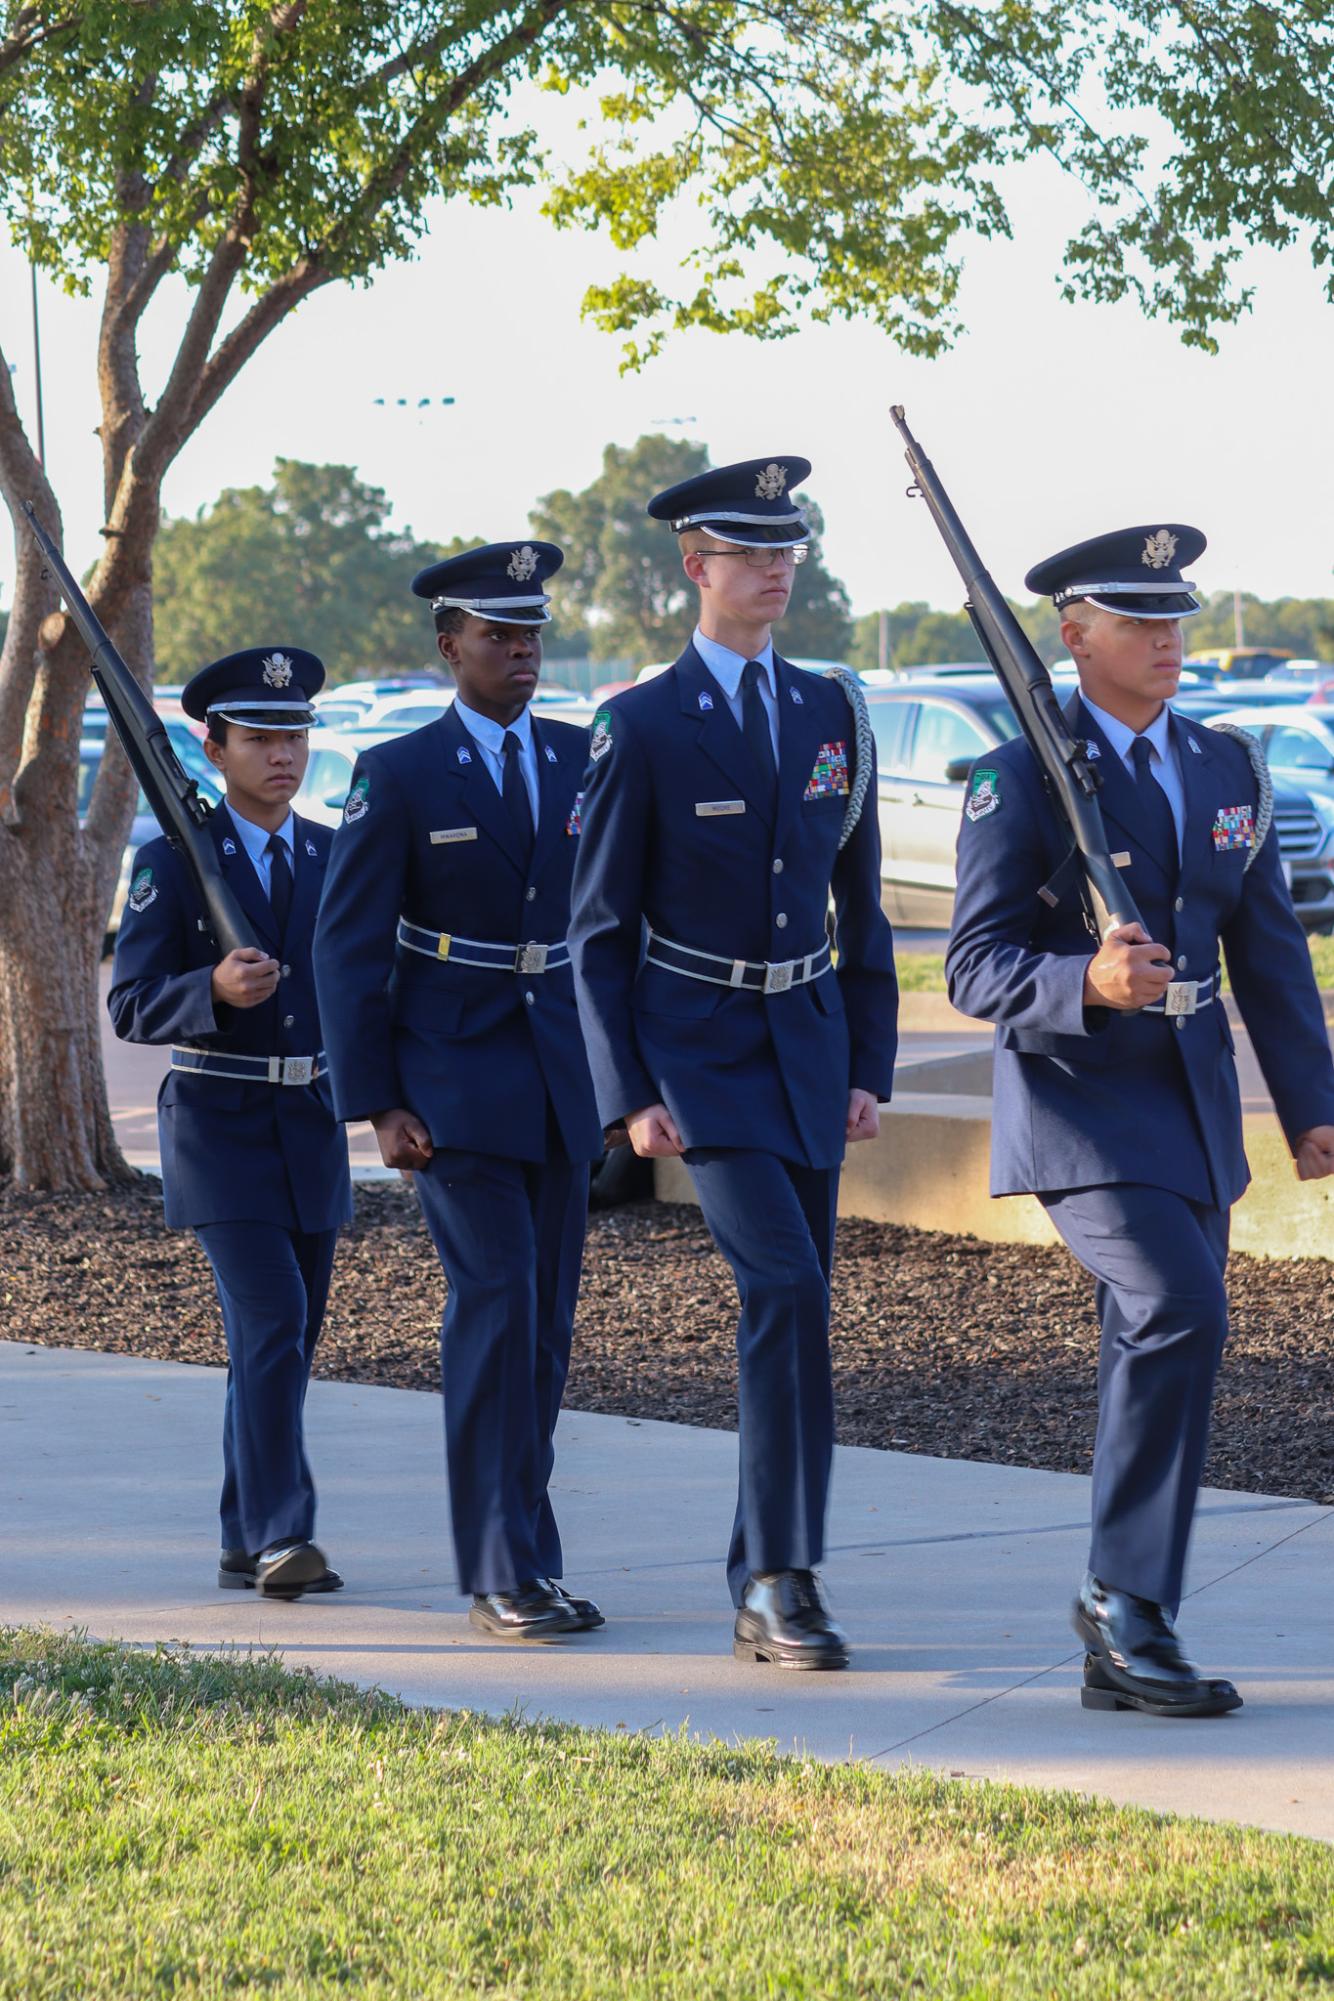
(532, 958)
(298, 1069)
(777, 979)
(1182, 997)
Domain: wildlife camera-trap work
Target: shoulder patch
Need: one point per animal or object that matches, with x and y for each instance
(983, 793)
(143, 890)
(600, 741)
(358, 801)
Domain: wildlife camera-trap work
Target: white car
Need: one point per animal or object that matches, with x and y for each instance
(396, 714)
(328, 778)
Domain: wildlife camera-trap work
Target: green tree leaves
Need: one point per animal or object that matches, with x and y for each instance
(310, 561)
(823, 157)
(623, 580)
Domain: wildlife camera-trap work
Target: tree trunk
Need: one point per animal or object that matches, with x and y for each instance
(57, 881)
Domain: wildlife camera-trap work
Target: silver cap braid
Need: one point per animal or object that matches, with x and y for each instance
(865, 749)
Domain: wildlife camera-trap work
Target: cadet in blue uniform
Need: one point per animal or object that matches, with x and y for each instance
(253, 1159)
(716, 1024)
(1116, 1097)
(445, 979)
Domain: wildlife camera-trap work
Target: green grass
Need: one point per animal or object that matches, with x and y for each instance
(924, 972)
(175, 1825)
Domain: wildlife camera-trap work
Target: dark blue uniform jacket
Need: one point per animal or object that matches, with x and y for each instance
(734, 1068)
(232, 1151)
(475, 1053)
(1087, 1097)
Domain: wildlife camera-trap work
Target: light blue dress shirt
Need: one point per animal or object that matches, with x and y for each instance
(1163, 760)
(490, 740)
(726, 668)
(255, 841)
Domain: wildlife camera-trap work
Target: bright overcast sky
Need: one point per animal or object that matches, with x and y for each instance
(1048, 422)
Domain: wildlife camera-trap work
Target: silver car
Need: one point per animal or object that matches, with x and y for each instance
(929, 732)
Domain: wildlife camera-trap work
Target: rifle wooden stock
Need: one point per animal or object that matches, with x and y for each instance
(1061, 755)
(174, 797)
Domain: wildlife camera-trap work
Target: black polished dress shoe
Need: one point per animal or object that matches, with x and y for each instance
(1134, 1659)
(237, 1572)
(783, 1620)
(585, 1611)
(532, 1612)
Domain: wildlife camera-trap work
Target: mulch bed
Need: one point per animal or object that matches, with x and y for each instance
(942, 1345)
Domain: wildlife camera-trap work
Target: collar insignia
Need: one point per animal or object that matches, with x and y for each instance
(705, 699)
(277, 671)
(1159, 549)
(771, 483)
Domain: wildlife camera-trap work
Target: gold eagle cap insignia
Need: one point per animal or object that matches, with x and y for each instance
(523, 564)
(772, 482)
(277, 671)
(1159, 549)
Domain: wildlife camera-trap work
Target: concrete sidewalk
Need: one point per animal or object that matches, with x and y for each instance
(952, 1578)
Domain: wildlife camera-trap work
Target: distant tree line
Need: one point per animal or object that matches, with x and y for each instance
(920, 636)
(313, 560)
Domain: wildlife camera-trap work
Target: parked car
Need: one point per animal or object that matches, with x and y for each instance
(1238, 663)
(927, 735)
(144, 826)
(1206, 700)
(1298, 742)
(395, 714)
(323, 791)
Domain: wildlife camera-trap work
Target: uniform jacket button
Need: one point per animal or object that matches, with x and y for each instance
(781, 920)
(1181, 1021)
(778, 868)
(1180, 903)
(289, 1021)
(530, 894)
(287, 972)
(529, 996)
(1181, 963)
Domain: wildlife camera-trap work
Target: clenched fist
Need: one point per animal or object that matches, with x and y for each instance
(1128, 970)
(245, 977)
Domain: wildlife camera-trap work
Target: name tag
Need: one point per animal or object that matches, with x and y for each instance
(716, 809)
(1121, 859)
(439, 835)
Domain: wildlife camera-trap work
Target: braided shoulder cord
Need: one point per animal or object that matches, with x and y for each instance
(1264, 805)
(865, 749)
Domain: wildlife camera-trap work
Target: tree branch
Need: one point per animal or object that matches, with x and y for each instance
(20, 42)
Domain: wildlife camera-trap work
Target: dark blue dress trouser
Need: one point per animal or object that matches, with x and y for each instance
(1158, 1260)
(774, 1223)
(272, 1286)
(510, 1235)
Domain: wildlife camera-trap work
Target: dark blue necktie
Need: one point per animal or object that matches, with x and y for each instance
(280, 881)
(1155, 812)
(515, 794)
(755, 726)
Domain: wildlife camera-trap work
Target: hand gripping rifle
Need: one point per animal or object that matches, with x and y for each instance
(180, 812)
(1062, 756)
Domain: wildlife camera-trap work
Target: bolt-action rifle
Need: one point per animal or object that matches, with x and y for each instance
(180, 812)
(1062, 756)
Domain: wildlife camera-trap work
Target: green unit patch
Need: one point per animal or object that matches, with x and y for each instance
(358, 801)
(143, 890)
(600, 741)
(983, 794)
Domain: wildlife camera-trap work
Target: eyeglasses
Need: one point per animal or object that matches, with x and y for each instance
(764, 559)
